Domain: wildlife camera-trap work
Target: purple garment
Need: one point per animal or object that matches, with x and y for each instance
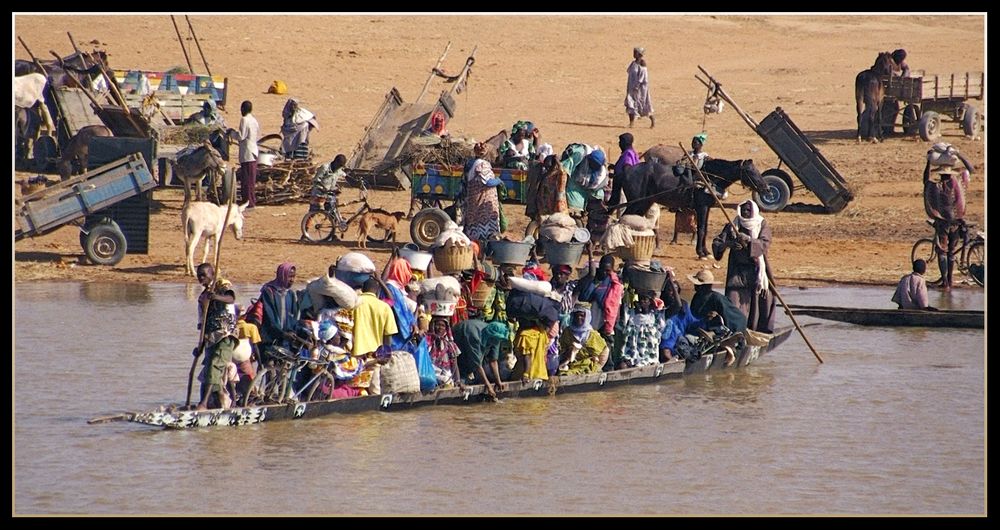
(281, 277)
(628, 158)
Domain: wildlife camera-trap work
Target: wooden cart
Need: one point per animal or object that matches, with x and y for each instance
(794, 150)
(917, 104)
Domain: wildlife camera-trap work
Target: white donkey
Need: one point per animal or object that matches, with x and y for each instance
(205, 219)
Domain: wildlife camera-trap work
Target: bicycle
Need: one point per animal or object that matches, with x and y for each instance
(275, 384)
(325, 222)
(971, 253)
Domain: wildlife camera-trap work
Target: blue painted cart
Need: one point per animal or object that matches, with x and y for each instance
(88, 201)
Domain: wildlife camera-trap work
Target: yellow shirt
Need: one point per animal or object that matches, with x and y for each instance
(373, 320)
(246, 330)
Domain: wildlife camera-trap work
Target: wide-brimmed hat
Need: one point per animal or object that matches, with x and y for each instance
(703, 277)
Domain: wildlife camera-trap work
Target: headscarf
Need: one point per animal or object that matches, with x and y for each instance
(281, 282)
(400, 272)
(640, 50)
(753, 224)
(494, 333)
(702, 137)
(580, 333)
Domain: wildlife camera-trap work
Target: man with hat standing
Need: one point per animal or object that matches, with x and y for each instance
(707, 304)
(637, 99)
(944, 202)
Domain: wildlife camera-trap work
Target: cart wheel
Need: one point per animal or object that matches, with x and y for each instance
(890, 109)
(427, 225)
(105, 244)
(318, 226)
(970, 120)
(911, 119)
(930, 126)
(775, 196)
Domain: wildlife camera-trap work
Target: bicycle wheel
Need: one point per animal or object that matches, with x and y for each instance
(317, 226)
(975, 259)
(321, 388)
(924, 249)
(266, 389)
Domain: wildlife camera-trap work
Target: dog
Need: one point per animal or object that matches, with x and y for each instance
(684, 221)
(378, 218)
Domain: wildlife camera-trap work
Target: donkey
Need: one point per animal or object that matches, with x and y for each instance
(192, 166)
(868, 95)
(78, 149)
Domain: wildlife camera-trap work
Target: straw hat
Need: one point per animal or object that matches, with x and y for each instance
(703, 277)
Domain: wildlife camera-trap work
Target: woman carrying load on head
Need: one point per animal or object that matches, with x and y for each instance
(296, 122)
(482, 204)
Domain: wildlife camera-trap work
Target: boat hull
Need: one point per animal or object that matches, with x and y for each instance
(943, 318)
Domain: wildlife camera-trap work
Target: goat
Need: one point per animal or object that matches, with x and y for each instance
(205, 219)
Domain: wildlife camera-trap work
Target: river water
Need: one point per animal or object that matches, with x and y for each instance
(892, 423)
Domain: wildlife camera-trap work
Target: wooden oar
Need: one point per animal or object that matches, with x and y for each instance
(204, 314)
(770, 278)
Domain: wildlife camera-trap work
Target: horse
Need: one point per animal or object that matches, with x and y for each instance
(868, 95)
(655, 180)
(192, 164)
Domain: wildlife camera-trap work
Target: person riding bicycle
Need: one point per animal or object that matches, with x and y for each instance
(944, 202)
(324, 185)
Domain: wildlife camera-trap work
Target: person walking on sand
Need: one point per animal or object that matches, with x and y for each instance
(637, 99)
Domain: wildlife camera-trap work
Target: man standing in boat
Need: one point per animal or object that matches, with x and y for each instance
(220, 332)
(748, 239)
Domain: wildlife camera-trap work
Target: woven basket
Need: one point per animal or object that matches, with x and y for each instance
(478, 298)
(451, 259)
(641, 251)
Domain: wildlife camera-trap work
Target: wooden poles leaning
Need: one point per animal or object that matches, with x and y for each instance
(181, 40)
(770, 278)
(198, 44)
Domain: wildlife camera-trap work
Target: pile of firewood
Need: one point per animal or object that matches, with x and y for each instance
(287, 180)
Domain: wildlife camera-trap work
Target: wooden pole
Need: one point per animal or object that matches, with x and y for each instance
(465, 70)
(770, 278)
(198, 44)
(181, 40)
(33, 59)
(427, 84)
(204, 314)
(77, 50)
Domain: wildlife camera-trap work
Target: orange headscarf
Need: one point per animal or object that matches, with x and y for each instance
(400, 272)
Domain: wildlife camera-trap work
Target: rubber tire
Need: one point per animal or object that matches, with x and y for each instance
(323, 227)
(911, 119)
(930, 126)
(777, 194)
(321, 388)
(970, 120)
(106, 244)
(926, 250)
(975, 255)
(427, 225)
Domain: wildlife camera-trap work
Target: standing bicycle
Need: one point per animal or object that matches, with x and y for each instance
(969, 256)
(328, 219)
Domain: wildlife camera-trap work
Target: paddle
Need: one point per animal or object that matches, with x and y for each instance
(204, 313)
(770, 278)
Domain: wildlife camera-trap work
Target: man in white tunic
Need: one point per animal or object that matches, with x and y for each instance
(637, 99)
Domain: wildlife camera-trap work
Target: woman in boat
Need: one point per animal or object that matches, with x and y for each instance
(644, 324)
(678, 318)
(281, 306)
(748, 239)
(582, 349)
(444, 351)
(482, 204)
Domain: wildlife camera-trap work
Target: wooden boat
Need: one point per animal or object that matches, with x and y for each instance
(942, 318)
(175, 418)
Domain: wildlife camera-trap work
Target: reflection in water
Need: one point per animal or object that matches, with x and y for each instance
(101, 293)
(888, 425)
